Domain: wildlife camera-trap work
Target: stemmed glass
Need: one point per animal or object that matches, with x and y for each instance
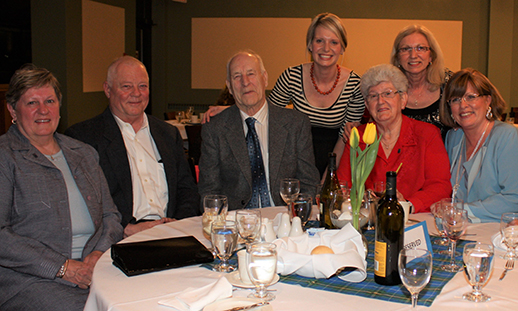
(509, 231)
(302, 207)
(180, 115)
(215, 207)
(415, 270)
(224, 241)
(478, 265)
(436, 209)
(445, 204)
(262, 267)
(290, 188)
(455, 222)
(248, 224)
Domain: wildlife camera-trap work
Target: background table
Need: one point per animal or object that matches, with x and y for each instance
(112, 290)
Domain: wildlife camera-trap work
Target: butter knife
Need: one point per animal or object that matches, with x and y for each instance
(255, 305)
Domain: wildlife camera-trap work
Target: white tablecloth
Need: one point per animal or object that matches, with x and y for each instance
(112, 290)
(180, 127)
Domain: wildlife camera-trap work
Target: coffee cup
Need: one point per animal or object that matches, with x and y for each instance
(243, 267)
(195, 119)
(406, 208)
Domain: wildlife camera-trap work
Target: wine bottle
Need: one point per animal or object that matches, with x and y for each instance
(390, 228)
(331, 193)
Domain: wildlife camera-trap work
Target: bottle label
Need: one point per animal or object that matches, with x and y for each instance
(380, 258)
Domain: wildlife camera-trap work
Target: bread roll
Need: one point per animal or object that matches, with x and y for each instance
(321, 249)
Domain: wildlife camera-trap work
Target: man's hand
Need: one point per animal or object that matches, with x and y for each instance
(134, 228)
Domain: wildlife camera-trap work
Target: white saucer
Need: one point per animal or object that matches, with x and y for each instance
(235, 279)
(498, 242)
(230, 303)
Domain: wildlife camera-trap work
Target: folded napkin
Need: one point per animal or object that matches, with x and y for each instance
(192, 299)
(498, 242)
(294, 255)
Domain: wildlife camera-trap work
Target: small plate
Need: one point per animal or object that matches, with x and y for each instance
(235, 280)
(230, 303)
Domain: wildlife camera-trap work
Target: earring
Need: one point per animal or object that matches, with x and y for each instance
(13, 121)
(454, 121)
(430, 63)
(489, 113)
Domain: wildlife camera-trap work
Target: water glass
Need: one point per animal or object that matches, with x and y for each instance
(302, 207)
(509, 231)
(262, 268)
(415, 270)
(248, 224)
(455, 222)
(289, 189)
(215, 207)
(224, 240)
(179, 115)
(436, 209)
(189, 112)
(478, 265)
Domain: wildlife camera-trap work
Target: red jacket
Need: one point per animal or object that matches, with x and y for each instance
(424, 176)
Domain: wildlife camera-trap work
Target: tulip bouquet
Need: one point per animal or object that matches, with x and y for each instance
(362, 162)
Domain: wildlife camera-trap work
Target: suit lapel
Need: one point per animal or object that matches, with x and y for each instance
(235, 136)
(277, 136)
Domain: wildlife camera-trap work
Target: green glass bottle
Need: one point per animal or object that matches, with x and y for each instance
(390, 228)
(331, 193)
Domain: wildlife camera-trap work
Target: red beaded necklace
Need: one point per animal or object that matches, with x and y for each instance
(315, 84)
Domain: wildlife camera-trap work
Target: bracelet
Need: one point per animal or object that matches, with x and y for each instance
(62, 270)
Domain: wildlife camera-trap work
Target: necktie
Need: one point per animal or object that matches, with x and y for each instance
(259, 185)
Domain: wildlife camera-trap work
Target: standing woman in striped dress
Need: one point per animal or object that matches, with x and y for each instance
(326, 92)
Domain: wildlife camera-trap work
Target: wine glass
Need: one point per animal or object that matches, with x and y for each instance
(224, 241)
(379, 188)
(509, 231)
(189, 112)
(478, 265)
(215, 207)
(415, 270)
(302, 207)
(436, 209)
(248, 224)
(262, 267)
(290, 188)
(179, 115)
(454, 221)
(445, 204)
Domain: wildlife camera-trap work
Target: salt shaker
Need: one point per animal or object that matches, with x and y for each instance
(284, 227)
(296, 227)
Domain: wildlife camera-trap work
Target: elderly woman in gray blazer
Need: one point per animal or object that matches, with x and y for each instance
(56, 213)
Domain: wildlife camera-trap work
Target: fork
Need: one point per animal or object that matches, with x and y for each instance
(509, 265)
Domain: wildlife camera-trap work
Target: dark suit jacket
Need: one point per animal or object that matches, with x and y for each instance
(103, 133)
(225, 166)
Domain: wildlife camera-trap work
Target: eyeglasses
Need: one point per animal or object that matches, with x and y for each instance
(372, 97)
(418, 49)
(468, 98)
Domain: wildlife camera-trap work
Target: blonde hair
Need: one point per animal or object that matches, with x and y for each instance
(330, 22)
(435, 70)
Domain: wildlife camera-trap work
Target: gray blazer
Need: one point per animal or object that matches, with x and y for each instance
(35, 226)
(225, 166)
(103, 133)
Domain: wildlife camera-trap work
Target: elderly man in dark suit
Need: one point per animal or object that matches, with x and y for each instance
(142, 157)
(250, 147)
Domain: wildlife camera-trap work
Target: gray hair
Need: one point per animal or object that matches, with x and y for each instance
(126, 59)
(383, 73)
(245, 52)
(27, 77)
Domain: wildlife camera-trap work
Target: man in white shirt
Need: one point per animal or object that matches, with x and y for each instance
(250, 147)
(142, 157)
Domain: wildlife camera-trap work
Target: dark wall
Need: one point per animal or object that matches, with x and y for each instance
(172, 33)
(57, 46)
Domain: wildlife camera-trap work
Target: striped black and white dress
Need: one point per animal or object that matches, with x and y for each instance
(327, 123)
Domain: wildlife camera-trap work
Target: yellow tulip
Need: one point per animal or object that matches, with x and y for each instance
(369, 136)
(354, 138)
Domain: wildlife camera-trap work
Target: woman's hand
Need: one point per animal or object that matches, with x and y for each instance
(79, 273)
(213, 111)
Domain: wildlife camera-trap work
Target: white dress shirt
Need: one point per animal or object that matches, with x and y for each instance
(150, 192)
(261, 127)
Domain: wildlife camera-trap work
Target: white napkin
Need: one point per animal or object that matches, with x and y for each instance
(498, 242)
(294, 255)
(194, 299)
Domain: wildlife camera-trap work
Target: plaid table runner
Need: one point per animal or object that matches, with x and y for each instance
(370, 289)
